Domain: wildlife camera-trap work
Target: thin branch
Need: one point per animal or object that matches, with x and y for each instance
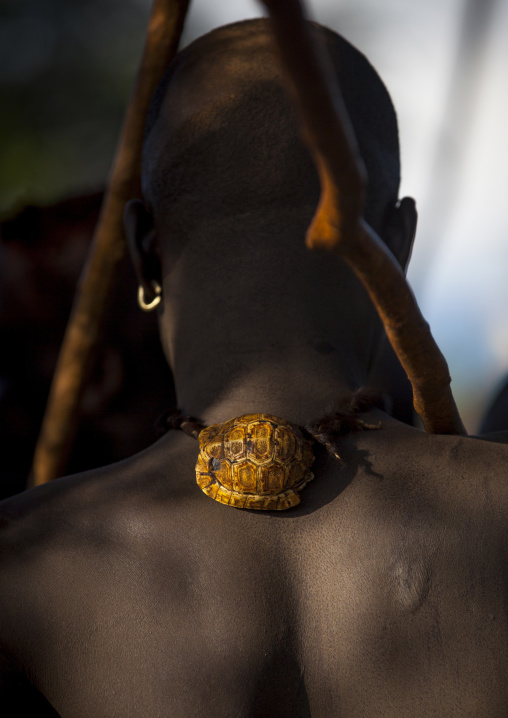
(338, 224)
(107, 250)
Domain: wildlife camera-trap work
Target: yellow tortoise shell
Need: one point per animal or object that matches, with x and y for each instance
(256, 461)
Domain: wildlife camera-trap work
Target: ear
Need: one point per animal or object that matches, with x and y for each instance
(142, 244)
(399, 229)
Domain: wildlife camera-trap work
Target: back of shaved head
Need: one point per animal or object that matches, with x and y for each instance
(222, 135)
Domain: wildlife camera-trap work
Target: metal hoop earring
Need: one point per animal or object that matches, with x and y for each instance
(148, 306)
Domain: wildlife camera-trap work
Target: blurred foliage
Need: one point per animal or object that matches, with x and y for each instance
(66, 69)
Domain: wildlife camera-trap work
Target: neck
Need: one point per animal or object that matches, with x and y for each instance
(300, 385)
(252, 322)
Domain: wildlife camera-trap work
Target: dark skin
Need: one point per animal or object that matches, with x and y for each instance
(128, 592)
(496, 417)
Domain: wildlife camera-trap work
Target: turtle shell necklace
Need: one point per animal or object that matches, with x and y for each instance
(261, 461)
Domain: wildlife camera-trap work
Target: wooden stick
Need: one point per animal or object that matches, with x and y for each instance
(338, 224)
(107, 250)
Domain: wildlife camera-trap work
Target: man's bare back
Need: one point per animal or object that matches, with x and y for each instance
(130, 593)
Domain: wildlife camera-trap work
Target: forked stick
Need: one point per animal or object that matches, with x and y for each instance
(108, 248)
(338, 224)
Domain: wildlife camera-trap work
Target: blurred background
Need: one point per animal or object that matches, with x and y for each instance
(66, 69)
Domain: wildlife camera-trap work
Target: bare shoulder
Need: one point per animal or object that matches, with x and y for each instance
(86, 510)
(423, 500)
(70, 553)
(83, 519)
(434, 506)
(406, 568)
(498, 437)
(440, 462)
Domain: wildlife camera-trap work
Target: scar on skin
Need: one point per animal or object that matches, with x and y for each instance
(413, 581)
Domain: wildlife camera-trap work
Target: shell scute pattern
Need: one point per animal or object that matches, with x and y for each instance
(255, 461)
